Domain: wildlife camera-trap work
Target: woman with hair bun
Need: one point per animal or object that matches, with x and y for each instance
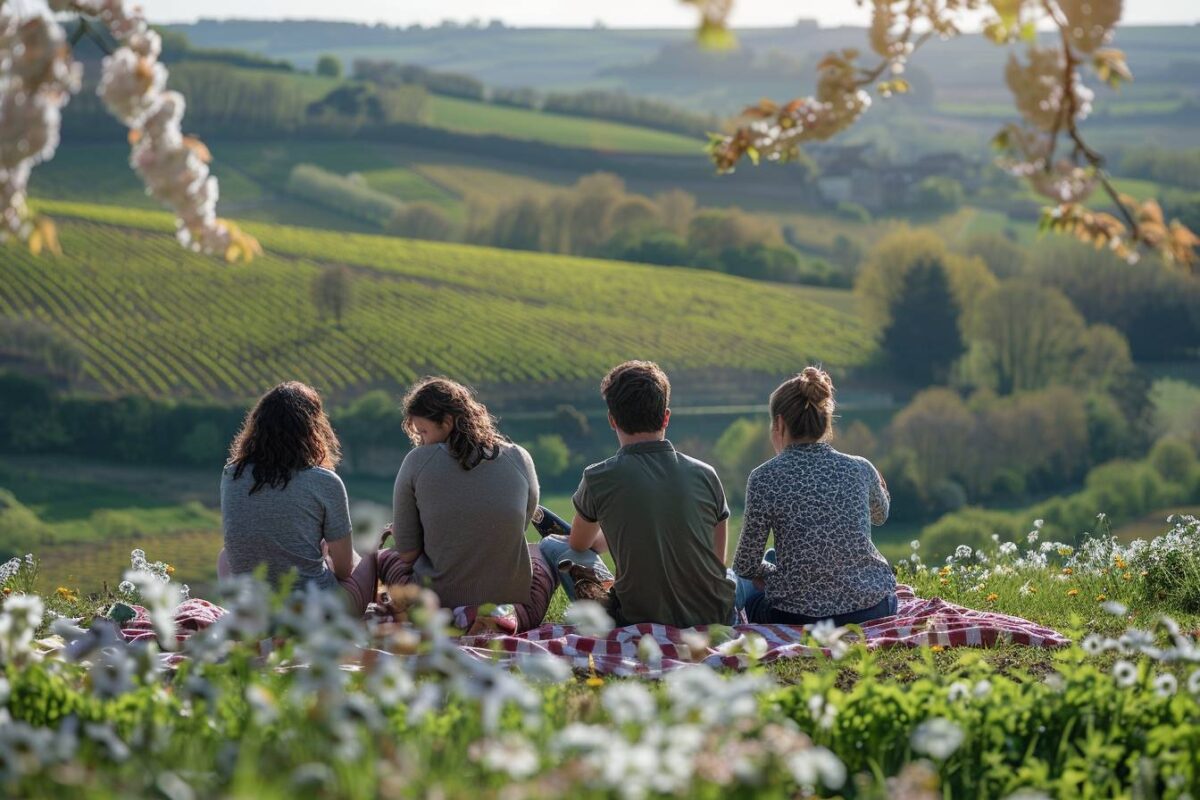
(820, 504)
(462, 501)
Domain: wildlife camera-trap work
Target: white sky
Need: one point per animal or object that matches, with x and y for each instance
(577, 13)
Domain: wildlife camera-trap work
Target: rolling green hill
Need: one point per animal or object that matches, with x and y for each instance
(150, 318)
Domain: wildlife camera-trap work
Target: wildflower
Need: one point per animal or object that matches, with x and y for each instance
(1113, 607)
(1065, 550)
(937, 737)
(112, 672)
(963, 553)
(390, 681)
(915, 544)
(627, 702)
(831, 638)
(19, 620)
(170, 570)
(1093, 645)
(957, 691)
(1165, 685)
(1100, 598)
(589, 618)
(161, 600)
(1028, 588)
(817, 764)
(1072, 592)
(822, 711)
(1126, 577)
(544, 668)
(982, 688)
(594, 681)
(1068, 571)
(510, 753)
(937, 648)
(1124, 673)
(944, 571)
(1193, 683)
(264, 709)
(944, 582)
(1008, 549)
(649, 652)
(992, 597)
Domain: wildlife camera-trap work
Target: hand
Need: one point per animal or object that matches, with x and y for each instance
(760, 584)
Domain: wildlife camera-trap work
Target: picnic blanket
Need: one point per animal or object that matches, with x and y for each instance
(919, 622)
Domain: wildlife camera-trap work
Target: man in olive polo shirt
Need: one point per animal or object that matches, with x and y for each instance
(661, 514)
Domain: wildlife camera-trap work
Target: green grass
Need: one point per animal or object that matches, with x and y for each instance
(465, 116)
(151, 318)
(408, 186)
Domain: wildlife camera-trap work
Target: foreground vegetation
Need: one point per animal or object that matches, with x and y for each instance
(1115, 714)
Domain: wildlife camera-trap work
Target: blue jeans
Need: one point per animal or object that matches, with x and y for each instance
(754, 600)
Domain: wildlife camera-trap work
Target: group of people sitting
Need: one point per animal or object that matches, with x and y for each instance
(465, 495)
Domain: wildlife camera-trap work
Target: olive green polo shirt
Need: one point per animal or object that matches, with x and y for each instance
(657, 508)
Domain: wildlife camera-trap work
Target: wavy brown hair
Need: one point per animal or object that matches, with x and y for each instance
(473, 438)
(805, 402)
(285, 432)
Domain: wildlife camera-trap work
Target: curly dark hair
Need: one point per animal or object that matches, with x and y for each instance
(285, 432)
(473, 438)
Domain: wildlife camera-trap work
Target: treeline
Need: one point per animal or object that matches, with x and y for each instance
(1122, 490)
(599, 104)
(352, 196)
(176, 47)
(1173, 167)
(599, 217)
(236, 102)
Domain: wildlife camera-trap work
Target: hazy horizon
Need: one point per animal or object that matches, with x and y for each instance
(577, 14)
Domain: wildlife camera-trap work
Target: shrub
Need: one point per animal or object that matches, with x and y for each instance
(1171, 564)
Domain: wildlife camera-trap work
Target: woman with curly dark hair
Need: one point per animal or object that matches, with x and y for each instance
(463, 498)
(282, 504)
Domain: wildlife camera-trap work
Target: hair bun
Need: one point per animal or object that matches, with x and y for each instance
(816, 385)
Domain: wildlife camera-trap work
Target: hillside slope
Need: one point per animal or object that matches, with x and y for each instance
(150, 318)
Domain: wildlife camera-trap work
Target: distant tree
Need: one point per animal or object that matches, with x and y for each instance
(676, 209)
(938, 194)
(1026, 337)
(1005, 258)
(423, 221)
(714, 230)
(857, 439)
(550, 455)
(882, 277)
(922, 341)
(329, 66)
(332, 289)
(572, 424)
(203, 444)
(846, 252)
(742, 447)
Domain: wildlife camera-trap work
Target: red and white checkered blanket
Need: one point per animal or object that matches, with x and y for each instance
(918, 623)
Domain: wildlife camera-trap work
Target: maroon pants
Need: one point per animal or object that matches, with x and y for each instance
(393, 571)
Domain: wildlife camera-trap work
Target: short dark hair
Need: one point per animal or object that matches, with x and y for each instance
(637, 394)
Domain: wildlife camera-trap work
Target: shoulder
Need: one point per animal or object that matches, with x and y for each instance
(322, 478)
(602, 468)
(418, 457)
(518, 455)
(696, 465)
(767, 469)
(857, 463)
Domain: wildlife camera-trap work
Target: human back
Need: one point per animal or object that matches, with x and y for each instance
(462, 500)
(468, 523)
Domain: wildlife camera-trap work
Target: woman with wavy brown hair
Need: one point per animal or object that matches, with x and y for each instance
(820, 505)
(463, 499)
(283, 506)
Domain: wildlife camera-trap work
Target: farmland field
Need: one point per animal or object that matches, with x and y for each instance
(466, 116)
(158, 321)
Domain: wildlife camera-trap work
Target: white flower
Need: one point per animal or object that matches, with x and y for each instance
(915, 544)
(1093, 645)
(831, 637)
(937, 737)
(963, 553)
(1193, 683)
(982, 688)
(589, 618)
(817, 765)
(390, 682)
(161, 600)
(112, 672)
(1115, 608)
(1165, 685)
(649, 652)
(510, 753)
(1008, 549)
(19, 620)
(1124, 673)
(544, 668)
(629, 702)
(957, 691)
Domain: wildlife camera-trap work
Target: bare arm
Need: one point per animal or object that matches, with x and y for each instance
(586, 535)
(341, 553)
(721, 538)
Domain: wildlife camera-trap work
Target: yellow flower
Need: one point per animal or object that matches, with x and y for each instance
(1145, 573)
(944, 582)
(1065, 551)
(1101, 598)
(595, 681)
(66, 594)
(937, 648)
(1127, 576)
(1119, 562)
(1068, 571)
(993, 597)
(944, 571)
(1072, 592)
(170, 570)
(7, 591)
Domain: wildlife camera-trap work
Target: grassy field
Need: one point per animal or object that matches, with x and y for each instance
(151, 318)
(466, 116)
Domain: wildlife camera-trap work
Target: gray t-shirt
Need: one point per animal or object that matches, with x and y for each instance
(468, 524)
(657, 508)
(283, 528)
